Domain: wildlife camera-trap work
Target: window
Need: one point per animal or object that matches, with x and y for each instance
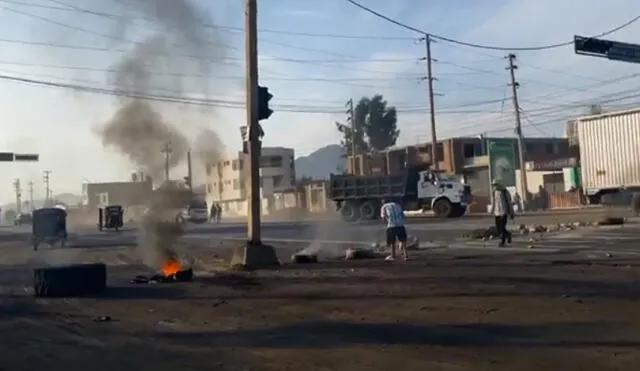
(469, 150)
(271, 161)
(236, 184)
(227, 163)
(439, 152)
(529, 147)
(277, 180)
(208, 169)
(240, 164)
(209, 188)
(234, 165)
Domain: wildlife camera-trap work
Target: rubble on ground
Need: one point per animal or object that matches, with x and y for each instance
(358, 253)
(491, 232)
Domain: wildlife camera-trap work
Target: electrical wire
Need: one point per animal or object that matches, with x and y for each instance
(482, 46)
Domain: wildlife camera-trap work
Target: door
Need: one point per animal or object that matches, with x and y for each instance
(427, 188)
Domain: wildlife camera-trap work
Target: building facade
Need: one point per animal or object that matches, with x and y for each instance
(127, 194)
(227, 180)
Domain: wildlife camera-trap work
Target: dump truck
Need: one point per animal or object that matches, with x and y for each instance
(360, 197)
(610, 157)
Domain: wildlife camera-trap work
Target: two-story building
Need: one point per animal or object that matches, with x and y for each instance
(126, 193)
(464, 155)
(227, 180)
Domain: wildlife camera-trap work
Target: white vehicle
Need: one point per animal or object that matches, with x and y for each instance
(609, 157)
(359, 197)
(196, 212)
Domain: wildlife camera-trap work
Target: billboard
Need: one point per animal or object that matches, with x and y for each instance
(502, 161)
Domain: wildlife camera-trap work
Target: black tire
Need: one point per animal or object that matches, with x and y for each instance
(369, 210)
(70, 280)
(442, 208)
(349, 212)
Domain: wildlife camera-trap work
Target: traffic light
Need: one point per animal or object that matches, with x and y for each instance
(264, 112)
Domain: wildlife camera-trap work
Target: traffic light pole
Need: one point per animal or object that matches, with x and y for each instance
(254, 254)
(251, 44)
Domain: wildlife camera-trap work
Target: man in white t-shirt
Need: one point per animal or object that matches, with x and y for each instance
(393, 215)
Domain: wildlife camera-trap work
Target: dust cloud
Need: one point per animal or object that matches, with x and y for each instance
(141, 125)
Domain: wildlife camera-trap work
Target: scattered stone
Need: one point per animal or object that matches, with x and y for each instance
(102, 319)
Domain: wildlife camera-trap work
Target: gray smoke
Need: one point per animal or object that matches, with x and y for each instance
(140, 128)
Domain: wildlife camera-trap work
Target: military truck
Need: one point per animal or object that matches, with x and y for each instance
(359, 197)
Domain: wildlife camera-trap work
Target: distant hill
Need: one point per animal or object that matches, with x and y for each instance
(321, 163)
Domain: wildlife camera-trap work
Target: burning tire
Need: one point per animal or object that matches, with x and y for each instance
(70, 280)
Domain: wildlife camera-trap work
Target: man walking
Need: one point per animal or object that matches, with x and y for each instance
(502, 210)
(393, 216)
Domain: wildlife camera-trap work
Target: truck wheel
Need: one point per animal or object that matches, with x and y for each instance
(349, 212)
(368, 211)
(70, 280)
(442, 208)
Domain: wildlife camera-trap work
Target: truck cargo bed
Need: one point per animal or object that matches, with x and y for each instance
(350, 187)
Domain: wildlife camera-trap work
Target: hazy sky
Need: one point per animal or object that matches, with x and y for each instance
(80, 41)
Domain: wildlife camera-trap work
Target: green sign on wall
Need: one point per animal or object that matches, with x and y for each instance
(502, 161)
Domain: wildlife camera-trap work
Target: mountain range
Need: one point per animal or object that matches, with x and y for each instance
(320, 163)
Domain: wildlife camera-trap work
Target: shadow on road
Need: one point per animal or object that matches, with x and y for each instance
(334, 334)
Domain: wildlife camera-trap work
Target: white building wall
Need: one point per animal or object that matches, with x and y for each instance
(226, 181)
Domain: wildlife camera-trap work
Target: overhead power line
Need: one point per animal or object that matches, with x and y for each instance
(76, 9)
(482, 46)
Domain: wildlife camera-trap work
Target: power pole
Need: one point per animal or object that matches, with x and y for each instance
(254, 254)
(354, 148)
(166, 150)
(16, 187)
(521, 145)
(31, 196)
(189, 171)
(432, 110)
(47, 182)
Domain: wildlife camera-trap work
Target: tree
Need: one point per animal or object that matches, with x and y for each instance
(375, 126)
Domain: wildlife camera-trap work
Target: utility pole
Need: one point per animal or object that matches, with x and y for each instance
(16, 187)
(521, 145)
(31, 196)
(47, 189)
(254, 254)
(189, 171)
(354, 148)
(166, 150)
(432, 110)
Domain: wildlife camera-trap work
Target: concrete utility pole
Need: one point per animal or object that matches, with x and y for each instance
(16, 187)
(31, 196)
(47, 182)
(254, 254)
(511, 58)
(189, 171)
(432, 110)
(353, 127)
(166, 150)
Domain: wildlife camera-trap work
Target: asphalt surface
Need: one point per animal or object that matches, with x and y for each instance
(310, 232)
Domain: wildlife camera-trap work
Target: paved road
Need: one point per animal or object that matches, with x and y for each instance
(308, 232)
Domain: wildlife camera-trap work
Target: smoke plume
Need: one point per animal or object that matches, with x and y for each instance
(140, 128)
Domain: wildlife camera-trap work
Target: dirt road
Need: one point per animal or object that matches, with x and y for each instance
(444, 310)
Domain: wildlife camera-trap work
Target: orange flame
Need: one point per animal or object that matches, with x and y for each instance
(170, 266)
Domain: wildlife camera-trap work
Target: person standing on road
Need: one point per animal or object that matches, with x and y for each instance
(393, 216)
(502, 210)
(213, 214)
(218, 213)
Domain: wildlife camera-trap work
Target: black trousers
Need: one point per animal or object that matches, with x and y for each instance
(501, 227)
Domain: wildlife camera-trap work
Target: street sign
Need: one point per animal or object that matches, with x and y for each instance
(26, 157)
(22, 157)
(613, 50)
